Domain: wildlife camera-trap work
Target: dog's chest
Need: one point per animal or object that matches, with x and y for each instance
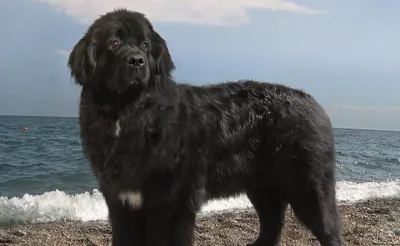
(116, 128)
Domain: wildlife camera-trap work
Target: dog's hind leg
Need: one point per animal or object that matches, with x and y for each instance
(314, 203)
(270, 206)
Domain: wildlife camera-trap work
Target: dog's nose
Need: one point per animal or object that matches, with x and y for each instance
(136, 60)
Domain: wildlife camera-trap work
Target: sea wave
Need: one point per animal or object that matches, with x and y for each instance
(89, 206)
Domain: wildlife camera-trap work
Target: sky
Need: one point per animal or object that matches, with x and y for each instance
(344, 53)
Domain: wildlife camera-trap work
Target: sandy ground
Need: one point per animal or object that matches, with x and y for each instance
(374, 222)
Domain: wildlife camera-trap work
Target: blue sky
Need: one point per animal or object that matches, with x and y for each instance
(345, 53)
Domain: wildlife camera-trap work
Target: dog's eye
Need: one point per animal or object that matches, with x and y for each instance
(114, 43)
(145, 45)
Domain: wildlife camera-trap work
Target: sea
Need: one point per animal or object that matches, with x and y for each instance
(44, 176)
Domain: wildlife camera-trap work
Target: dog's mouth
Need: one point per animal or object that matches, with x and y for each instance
(134, 81)
(133, 75)
(130, 77)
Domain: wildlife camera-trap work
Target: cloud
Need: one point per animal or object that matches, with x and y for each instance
(64, 53)
(209, 12)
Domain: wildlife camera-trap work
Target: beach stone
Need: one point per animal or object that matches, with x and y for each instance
(6, 237)
(19, 233)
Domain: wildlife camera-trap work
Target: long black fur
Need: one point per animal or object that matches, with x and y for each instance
(180, 145)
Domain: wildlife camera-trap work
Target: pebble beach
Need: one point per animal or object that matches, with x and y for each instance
(371, 222)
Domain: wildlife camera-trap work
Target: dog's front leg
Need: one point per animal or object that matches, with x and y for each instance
(157, 228)
(127, 224)
(170, 227)
(181, 226)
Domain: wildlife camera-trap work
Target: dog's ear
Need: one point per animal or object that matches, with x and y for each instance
(164, 63)
(82, 60)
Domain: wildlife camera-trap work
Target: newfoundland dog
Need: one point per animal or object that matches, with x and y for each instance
(160, 149)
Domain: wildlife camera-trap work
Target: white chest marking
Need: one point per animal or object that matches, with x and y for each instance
(117, 129)
(133, 199)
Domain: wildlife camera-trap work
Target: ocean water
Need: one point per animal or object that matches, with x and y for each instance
(45, 177)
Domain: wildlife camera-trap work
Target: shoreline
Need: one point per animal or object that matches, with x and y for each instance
(370, 222)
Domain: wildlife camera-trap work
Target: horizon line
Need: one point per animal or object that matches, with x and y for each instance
(341, 127)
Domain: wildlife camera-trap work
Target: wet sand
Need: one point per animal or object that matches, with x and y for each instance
(373, 222)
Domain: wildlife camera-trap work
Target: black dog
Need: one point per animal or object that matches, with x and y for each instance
(161, 149)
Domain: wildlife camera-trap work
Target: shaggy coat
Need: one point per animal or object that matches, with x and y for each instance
(160, 149)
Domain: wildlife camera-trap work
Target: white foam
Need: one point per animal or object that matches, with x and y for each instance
(350, 192)
(53, 206)
(58, 206)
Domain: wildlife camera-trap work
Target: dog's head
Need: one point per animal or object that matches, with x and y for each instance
(120, 51)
